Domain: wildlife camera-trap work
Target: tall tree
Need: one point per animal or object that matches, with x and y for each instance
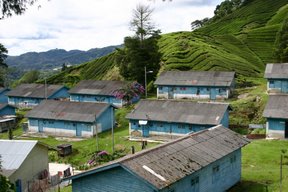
(141, 22)
(18, 7)
(281, 52)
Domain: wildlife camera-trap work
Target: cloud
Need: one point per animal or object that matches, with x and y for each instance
(74, 24)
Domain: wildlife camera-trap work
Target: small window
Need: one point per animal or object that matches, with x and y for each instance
(272, 82)
(160, 88)
(134, 123)
(194, 181)
(182, 126)
(208, 89)
(233, 159)
(160, 124)
(51, 122)
(190, 127)
(198, 91)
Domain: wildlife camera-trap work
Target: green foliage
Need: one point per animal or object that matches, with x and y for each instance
(28, 77)
(17, 7)
(136, 55)
(5, 185)
(281, 52)
(226, 8)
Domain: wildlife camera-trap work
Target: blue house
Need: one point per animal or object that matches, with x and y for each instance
(199, 162)
(175, 118)
(30, 95)
(3, 96)
(98, 91)
(7, 117)
(195, 85)
(277, 116)
(277, 77)
(65, 118)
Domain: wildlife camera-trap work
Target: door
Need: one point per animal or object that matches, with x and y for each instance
(284, 88)
(78, 129)
(286, 129)
(213, 93)
(170, 92)
(40, 126)
(145, 131)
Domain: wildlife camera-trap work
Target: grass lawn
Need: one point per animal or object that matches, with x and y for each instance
(261, 166)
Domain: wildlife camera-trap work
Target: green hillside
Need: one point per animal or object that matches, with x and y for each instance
(243, 41)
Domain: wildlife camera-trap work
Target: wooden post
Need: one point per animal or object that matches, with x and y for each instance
(281, 159)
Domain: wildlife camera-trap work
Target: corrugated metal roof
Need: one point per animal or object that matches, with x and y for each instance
(196, 78)
(277, 107)
(69, 111)
(179, 111)
(13, 153)
(168, 163)
(92, 87)
(276, 70)
(34, 90)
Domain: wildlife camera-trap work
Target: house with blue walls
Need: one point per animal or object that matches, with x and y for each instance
(175, 118)
(277, 77)
(277, 116)
(7, 117)
(30, 95)
(98, 92)
(195, 85)
(66, 118)
(197, 162)
(3, 96)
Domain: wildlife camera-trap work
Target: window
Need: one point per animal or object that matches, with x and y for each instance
(51, 122)
(160, 88)
(181, 126)
(182, 88)
(194, 181)
(215, 169)
(216, 174)
(160, 124)
(208, 89)
(233, 159)
(190, 127)
(198, 91)
(272, 84)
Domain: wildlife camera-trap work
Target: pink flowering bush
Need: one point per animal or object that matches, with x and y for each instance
(131, 91)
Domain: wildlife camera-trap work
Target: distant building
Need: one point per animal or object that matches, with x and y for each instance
(65, 118)
(277, 116)
(195, 84)
(3, 96)
(30, 95)
(196, 162)
(170, 117)
(23, 161)
(277, 77)
(7, 117)
(98, 92)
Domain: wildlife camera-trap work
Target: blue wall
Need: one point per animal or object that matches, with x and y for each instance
(193, 90)
(217, 177)
(105, 119)
(173, 127)
(8, 110)
(3, 97)
(112, 180)
(278, 84)
(95, 98)
(62, 93)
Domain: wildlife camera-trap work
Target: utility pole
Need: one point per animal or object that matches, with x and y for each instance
(145, 70)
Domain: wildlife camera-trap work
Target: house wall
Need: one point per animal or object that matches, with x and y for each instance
(96, 99)
(113, 180)
(275, 128)
(104, 121)
(164, 128)
(61, 128)
(23, 102)
(225, 119)
(209, 179)
(61, 93)
(35, 163)
(8, 110)
(3, 97)
(189, 92)
(277, 85)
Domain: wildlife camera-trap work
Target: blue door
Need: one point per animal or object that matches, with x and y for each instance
(170, 92)
(78, 130)
(213, 93)
(40, 126)
(145, 131)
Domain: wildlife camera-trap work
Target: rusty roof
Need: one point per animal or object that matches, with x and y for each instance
(68, 111)
(34, 90)
(93, 87)
(168, 163)
(196, 78)
(179, 111)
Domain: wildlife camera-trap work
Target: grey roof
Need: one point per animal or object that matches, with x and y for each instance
(68, 111)
(13, 153)
(175, 160)
(179, 111)
(276, 70)
(34, 90)
(3, 105)
(3, 89)
(196, 78)
(277, 107)
(92, 87)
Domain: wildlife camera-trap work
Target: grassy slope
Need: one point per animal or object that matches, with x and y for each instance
(243, 41)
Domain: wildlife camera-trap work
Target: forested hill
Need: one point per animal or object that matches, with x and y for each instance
(56, 57)
(243, 40)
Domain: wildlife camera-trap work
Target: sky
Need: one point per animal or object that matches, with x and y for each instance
(86, 24)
